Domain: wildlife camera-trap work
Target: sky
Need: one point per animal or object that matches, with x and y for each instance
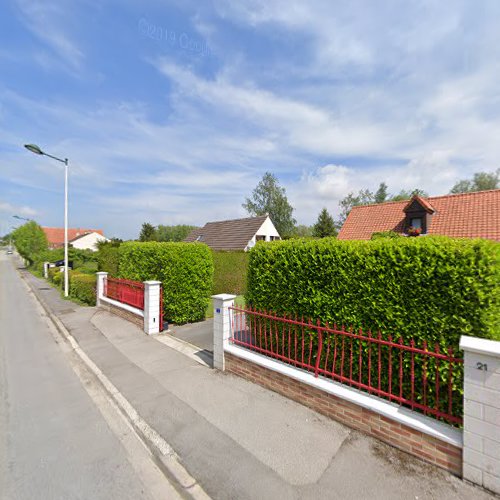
(171, 111)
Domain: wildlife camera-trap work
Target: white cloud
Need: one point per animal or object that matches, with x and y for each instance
(17, 209)
(435, 173)
(48, 20)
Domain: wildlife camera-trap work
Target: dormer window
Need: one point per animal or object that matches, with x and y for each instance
(416, 222)
(418, 215)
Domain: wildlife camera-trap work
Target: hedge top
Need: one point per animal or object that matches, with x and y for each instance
(432, 288)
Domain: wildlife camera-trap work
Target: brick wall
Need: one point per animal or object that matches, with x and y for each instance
(431, 450)
(123, 313)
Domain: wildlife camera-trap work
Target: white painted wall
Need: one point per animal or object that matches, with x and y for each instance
(268, 230)
(88, 242)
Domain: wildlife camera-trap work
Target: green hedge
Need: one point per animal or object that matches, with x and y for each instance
(185, 270)
(83, 287)
(428, 289)
(108, 259)
(230, 272)
(56, 277)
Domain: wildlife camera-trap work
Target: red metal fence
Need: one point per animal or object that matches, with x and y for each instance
(125, 291)
(424, 378)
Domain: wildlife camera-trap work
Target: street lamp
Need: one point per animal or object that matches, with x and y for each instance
(35, 149)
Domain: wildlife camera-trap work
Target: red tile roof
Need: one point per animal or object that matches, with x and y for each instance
(464, 215)
(55, 235)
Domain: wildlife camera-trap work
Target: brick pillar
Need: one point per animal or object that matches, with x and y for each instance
(222, 326)
(152, 307)
(100, 287)
(481, 462)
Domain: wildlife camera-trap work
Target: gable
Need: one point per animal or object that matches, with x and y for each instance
(228, 235)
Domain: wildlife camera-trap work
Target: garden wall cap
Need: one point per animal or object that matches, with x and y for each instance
(480, 346)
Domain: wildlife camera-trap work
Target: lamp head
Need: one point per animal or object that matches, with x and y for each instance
(34, 149)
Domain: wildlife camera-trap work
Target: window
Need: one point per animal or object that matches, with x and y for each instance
(416, 222)
(260, 238)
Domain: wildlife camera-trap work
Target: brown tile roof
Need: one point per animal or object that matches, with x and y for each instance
(227, 234)
(464, 215)
(55, 235)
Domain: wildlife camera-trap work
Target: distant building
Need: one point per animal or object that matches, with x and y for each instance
(236, 234)
(87, 241)
(55, 237)
(464, 215)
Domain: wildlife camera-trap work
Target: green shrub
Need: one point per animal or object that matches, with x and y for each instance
(230, 272)
(185, 270)
(56, 277)
(108, 259)
(431, 289)
(386, 234)
(83, 287)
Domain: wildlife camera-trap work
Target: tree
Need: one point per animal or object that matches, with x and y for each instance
(173, 233)
(301, 231)
(381, 194)
(270, 198)
(406, 195)
(482, 181)
(30, 241)
(148, 232)
(324, 225)
(364, 197)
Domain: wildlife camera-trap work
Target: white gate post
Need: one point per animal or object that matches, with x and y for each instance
(46, 270)
(152, 307)
(222, 326)
(99, 293)
(481, 453)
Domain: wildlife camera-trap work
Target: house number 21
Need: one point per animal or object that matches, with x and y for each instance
(482, 366)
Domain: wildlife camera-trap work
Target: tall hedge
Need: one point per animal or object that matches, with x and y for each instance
(83, 287)
(230, 275)
(426, 288)
(185, 270)
(108, 258)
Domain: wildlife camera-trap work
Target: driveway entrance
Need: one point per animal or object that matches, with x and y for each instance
(199, 334)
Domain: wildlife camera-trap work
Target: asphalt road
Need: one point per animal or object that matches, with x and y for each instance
(60, 438)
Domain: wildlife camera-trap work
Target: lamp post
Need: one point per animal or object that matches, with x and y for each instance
(35, 149)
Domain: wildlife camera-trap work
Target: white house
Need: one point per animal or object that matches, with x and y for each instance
(236, 234)
(87, 241)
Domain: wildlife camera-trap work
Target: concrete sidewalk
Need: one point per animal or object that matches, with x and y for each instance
(237, 439)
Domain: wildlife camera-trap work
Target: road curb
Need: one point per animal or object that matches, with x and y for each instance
(158, 446)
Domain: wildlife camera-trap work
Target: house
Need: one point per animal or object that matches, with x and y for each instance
(237, 234)
(87, 241)
(55, 236)
(464, 215)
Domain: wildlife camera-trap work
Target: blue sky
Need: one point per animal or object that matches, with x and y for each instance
(171, 111)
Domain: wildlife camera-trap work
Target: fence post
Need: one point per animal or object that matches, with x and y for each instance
(481, 452)
(46, 270)
(222, 326)
(152, 307)
(100, 287)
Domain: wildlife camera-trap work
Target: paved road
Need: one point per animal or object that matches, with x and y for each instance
(56, 441)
